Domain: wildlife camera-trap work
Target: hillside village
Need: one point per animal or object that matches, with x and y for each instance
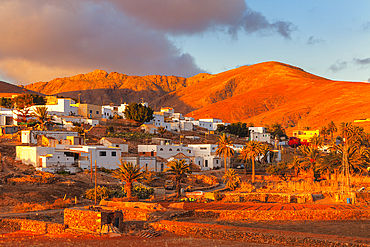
(52, 152)
(58, 147)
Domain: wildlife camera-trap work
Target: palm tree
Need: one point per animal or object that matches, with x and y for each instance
(41, 113)
(180, 169)
(251, 151)
(311, 157)
(128, 173)
(316, 141)
(332, 128)
(232, 179)
(224, 150)
(324, 132)
(296, 164)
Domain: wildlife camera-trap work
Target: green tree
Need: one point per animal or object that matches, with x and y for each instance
(232, 179)
(138, 112)
(22, 104)
(128, 173)
(251, 150)
(161, 130)
(224, 150)
(276, 130)
(6, 102)
(180, 169)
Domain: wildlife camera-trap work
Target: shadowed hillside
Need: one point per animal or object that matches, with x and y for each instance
(7, 90)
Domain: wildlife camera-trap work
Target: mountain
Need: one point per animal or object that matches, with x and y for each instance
(7, 90)
(263, 94)
(99, 86)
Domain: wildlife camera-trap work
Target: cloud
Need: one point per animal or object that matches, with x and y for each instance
(313, 41)
(366, 26)
(362, 62)
(43, 39)
(187, 17)
(338, 65)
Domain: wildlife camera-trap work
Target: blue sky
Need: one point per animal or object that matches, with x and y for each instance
(44, 39)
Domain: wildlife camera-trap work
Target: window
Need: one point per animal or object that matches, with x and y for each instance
(216, 161)
(170, 149)
(90, 111)
(178, 149)
(117, 145)
(189, 151)
(97, 112)
(203, 148)
(161, 149)
(102, 153)
(206, 163)
(114, 153)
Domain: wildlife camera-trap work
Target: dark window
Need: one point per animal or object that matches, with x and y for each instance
(170, 149)
(90, 111)
(216, 161)
(178, 150)
(114, 153)
(189, 151)
(161, 149)
(206, 164)
(102, 153)
(97, 112)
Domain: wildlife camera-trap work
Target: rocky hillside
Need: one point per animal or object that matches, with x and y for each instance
(99, 86)
(262, 93)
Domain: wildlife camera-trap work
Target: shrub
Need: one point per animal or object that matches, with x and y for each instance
(218, 196)
(101, 193)
(281, 169)
(141, 191)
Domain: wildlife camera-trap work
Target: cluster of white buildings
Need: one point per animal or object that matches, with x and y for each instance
(53, 151)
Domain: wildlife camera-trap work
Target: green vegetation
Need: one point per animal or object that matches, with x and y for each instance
(138, 112)
(224, 150)
(180, 169)
(232, 179)
(239, 129)
(131, 136)
(101, 193)
(6, 102)
(251, 151)
(281, 170)
(128, 173)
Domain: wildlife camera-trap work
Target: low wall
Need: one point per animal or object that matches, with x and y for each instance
(268, 197)
(247, 234)
(83, 219)
(39, 227)
(282, 214)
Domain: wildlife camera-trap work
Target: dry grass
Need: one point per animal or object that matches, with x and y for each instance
(29, 207)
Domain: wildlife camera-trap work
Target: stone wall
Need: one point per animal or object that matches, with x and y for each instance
(282, 214)
(39, 227)
(83, 219)
(268, 197)
(249, 234)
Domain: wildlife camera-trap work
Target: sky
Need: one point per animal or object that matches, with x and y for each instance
(45, 39)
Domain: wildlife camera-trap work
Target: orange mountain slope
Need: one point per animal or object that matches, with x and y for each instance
(99, 86)
(262, 94)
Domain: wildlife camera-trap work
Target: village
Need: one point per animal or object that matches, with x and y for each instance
(68, 157)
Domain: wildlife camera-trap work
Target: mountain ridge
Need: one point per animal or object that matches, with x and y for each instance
(262, 93)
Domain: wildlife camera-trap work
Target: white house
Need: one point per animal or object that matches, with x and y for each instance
(67, 121)
(207, 153)
(65, 107)
(259, 134)
(107, 112)
(164, 151)
(114, 142)
(30, 136)
(6, 116)
(68, 157)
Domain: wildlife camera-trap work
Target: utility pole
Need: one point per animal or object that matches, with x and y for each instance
(96, 182)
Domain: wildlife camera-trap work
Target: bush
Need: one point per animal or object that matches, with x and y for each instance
(218, 196)
(281, 169)
(101, 193)
(141, 191)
